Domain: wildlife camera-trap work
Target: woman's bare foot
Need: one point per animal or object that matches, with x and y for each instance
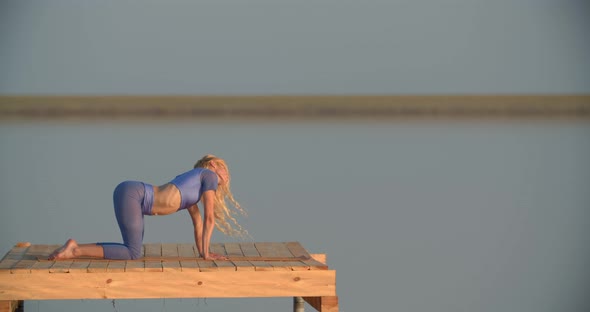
(65, 252)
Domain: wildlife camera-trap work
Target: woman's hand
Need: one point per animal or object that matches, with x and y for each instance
(214, 256)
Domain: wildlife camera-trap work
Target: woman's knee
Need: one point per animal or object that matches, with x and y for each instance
(135, 253)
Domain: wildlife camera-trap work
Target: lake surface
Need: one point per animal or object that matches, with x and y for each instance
(472, 215)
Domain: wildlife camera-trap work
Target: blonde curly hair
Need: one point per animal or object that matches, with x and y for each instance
(224, 215)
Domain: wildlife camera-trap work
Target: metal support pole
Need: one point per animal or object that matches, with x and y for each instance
(298, 304)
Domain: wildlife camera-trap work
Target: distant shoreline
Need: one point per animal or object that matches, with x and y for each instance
(27, 107)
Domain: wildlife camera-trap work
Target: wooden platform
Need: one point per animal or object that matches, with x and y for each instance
(271, 269)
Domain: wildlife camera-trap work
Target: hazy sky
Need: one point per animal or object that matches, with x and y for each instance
(294, 47)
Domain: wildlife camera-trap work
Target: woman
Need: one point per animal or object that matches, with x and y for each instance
(208, 184)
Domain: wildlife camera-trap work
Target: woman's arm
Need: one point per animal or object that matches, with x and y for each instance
(198, 227)
(208, 225)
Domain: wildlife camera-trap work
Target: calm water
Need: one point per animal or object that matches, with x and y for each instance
(414, 216)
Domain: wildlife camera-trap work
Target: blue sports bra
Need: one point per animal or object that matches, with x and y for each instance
(193, 183)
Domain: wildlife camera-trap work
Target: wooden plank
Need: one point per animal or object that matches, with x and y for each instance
(218, 248)
(78, 267)
(62, 266)
(207, 265)
(23, 266)
(296, 265)
(249, 250)
(49, 249)
(36, 252)
(323, 304)
(116, 266)
(134, 266)
(222, 265)
(21, 258)
(42, 252)
(41, 267)
(153, 250)
(11, 305)
(267, 250)
(136, 285)
(233, 250)
(7, 305)
(281, 250)
(16, 253)
(170, 250)
(322, 258)
(6, 265)
(97, 266)
(12, 258)
(188, 251)
(298, 251)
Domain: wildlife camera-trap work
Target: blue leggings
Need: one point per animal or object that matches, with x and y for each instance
(132, 200)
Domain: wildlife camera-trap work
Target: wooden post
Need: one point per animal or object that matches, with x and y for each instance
(298, 304)
(323, 304)
(11, 305)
